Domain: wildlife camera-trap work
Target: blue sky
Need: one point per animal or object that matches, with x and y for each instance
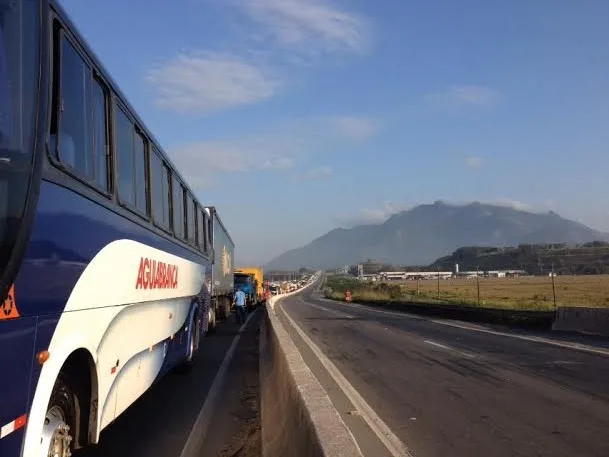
(294, 117)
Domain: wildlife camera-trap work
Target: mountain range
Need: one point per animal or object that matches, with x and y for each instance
(424, 233)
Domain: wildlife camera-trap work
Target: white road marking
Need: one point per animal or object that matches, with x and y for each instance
(534, 339)
(384, 433)
(379, 311)
(201, 425)
(338, 313)
(448, 348)
(320, 307)
(477, 328)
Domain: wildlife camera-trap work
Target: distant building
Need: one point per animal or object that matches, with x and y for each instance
(343, 270)
(280, 276)
(402, 275)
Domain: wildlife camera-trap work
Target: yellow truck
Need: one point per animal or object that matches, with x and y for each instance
(258, 274)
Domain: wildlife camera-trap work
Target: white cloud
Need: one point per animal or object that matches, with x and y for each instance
(499, 201)
(474, 95)
(371, 215)
(313, 26)
(210, 82)
(466, 95)
(354, 127)
(205, 82)
(277, 163)
(474, 162)
(278, 149)
(222, 157)
(318, 173)
(511, 203)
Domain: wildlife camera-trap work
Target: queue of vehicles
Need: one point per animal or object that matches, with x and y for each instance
(282, 287)
(111, 269)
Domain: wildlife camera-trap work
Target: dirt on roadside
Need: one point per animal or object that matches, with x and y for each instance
(246, 440)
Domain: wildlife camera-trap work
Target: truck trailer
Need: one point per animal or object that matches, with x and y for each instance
(222, 271)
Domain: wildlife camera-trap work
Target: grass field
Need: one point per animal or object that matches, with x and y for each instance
(525, 293)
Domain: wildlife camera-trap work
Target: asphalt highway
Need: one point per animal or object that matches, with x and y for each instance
(447, 388)
(164, 419)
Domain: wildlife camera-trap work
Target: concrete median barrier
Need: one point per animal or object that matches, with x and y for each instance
(298, 418)
(583, 320)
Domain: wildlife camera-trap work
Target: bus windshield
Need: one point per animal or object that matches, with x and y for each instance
(19, 36)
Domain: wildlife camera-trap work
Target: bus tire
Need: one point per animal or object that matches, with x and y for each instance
(188, 362)
(60, 419)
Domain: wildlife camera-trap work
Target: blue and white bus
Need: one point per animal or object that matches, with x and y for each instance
(104, 250)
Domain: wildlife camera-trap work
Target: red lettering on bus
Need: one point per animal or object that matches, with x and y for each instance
(154, 274)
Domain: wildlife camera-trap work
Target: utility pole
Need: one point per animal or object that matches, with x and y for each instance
(478, 283)
(553, 287)
(438, 283)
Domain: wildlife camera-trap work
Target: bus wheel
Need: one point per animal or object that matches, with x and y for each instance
(186, 365)
(56, 433)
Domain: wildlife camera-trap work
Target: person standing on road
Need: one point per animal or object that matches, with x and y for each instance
(240, 306)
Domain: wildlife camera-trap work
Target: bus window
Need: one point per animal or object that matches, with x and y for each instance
(167, 191)
(124, 149)
(204, 242)
(75, 83)
(209, 233)
(100, 133)
(141, 174)
(196, 218)
(200, 231)
(160, 190)
(184, 212)
(178, 209)
(6, 117)
(192, 214)
(19, 66)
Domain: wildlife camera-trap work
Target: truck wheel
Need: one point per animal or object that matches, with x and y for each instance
(211, 326)
(227, 307)
(222, 308)
(57, 432)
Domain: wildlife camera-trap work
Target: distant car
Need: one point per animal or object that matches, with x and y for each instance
(275, 289)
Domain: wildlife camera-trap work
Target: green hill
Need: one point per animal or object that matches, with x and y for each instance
(587, 258)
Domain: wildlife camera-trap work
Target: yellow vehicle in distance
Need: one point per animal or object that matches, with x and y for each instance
(258, 275)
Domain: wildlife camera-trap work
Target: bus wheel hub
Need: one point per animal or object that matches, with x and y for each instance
(56, 434)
